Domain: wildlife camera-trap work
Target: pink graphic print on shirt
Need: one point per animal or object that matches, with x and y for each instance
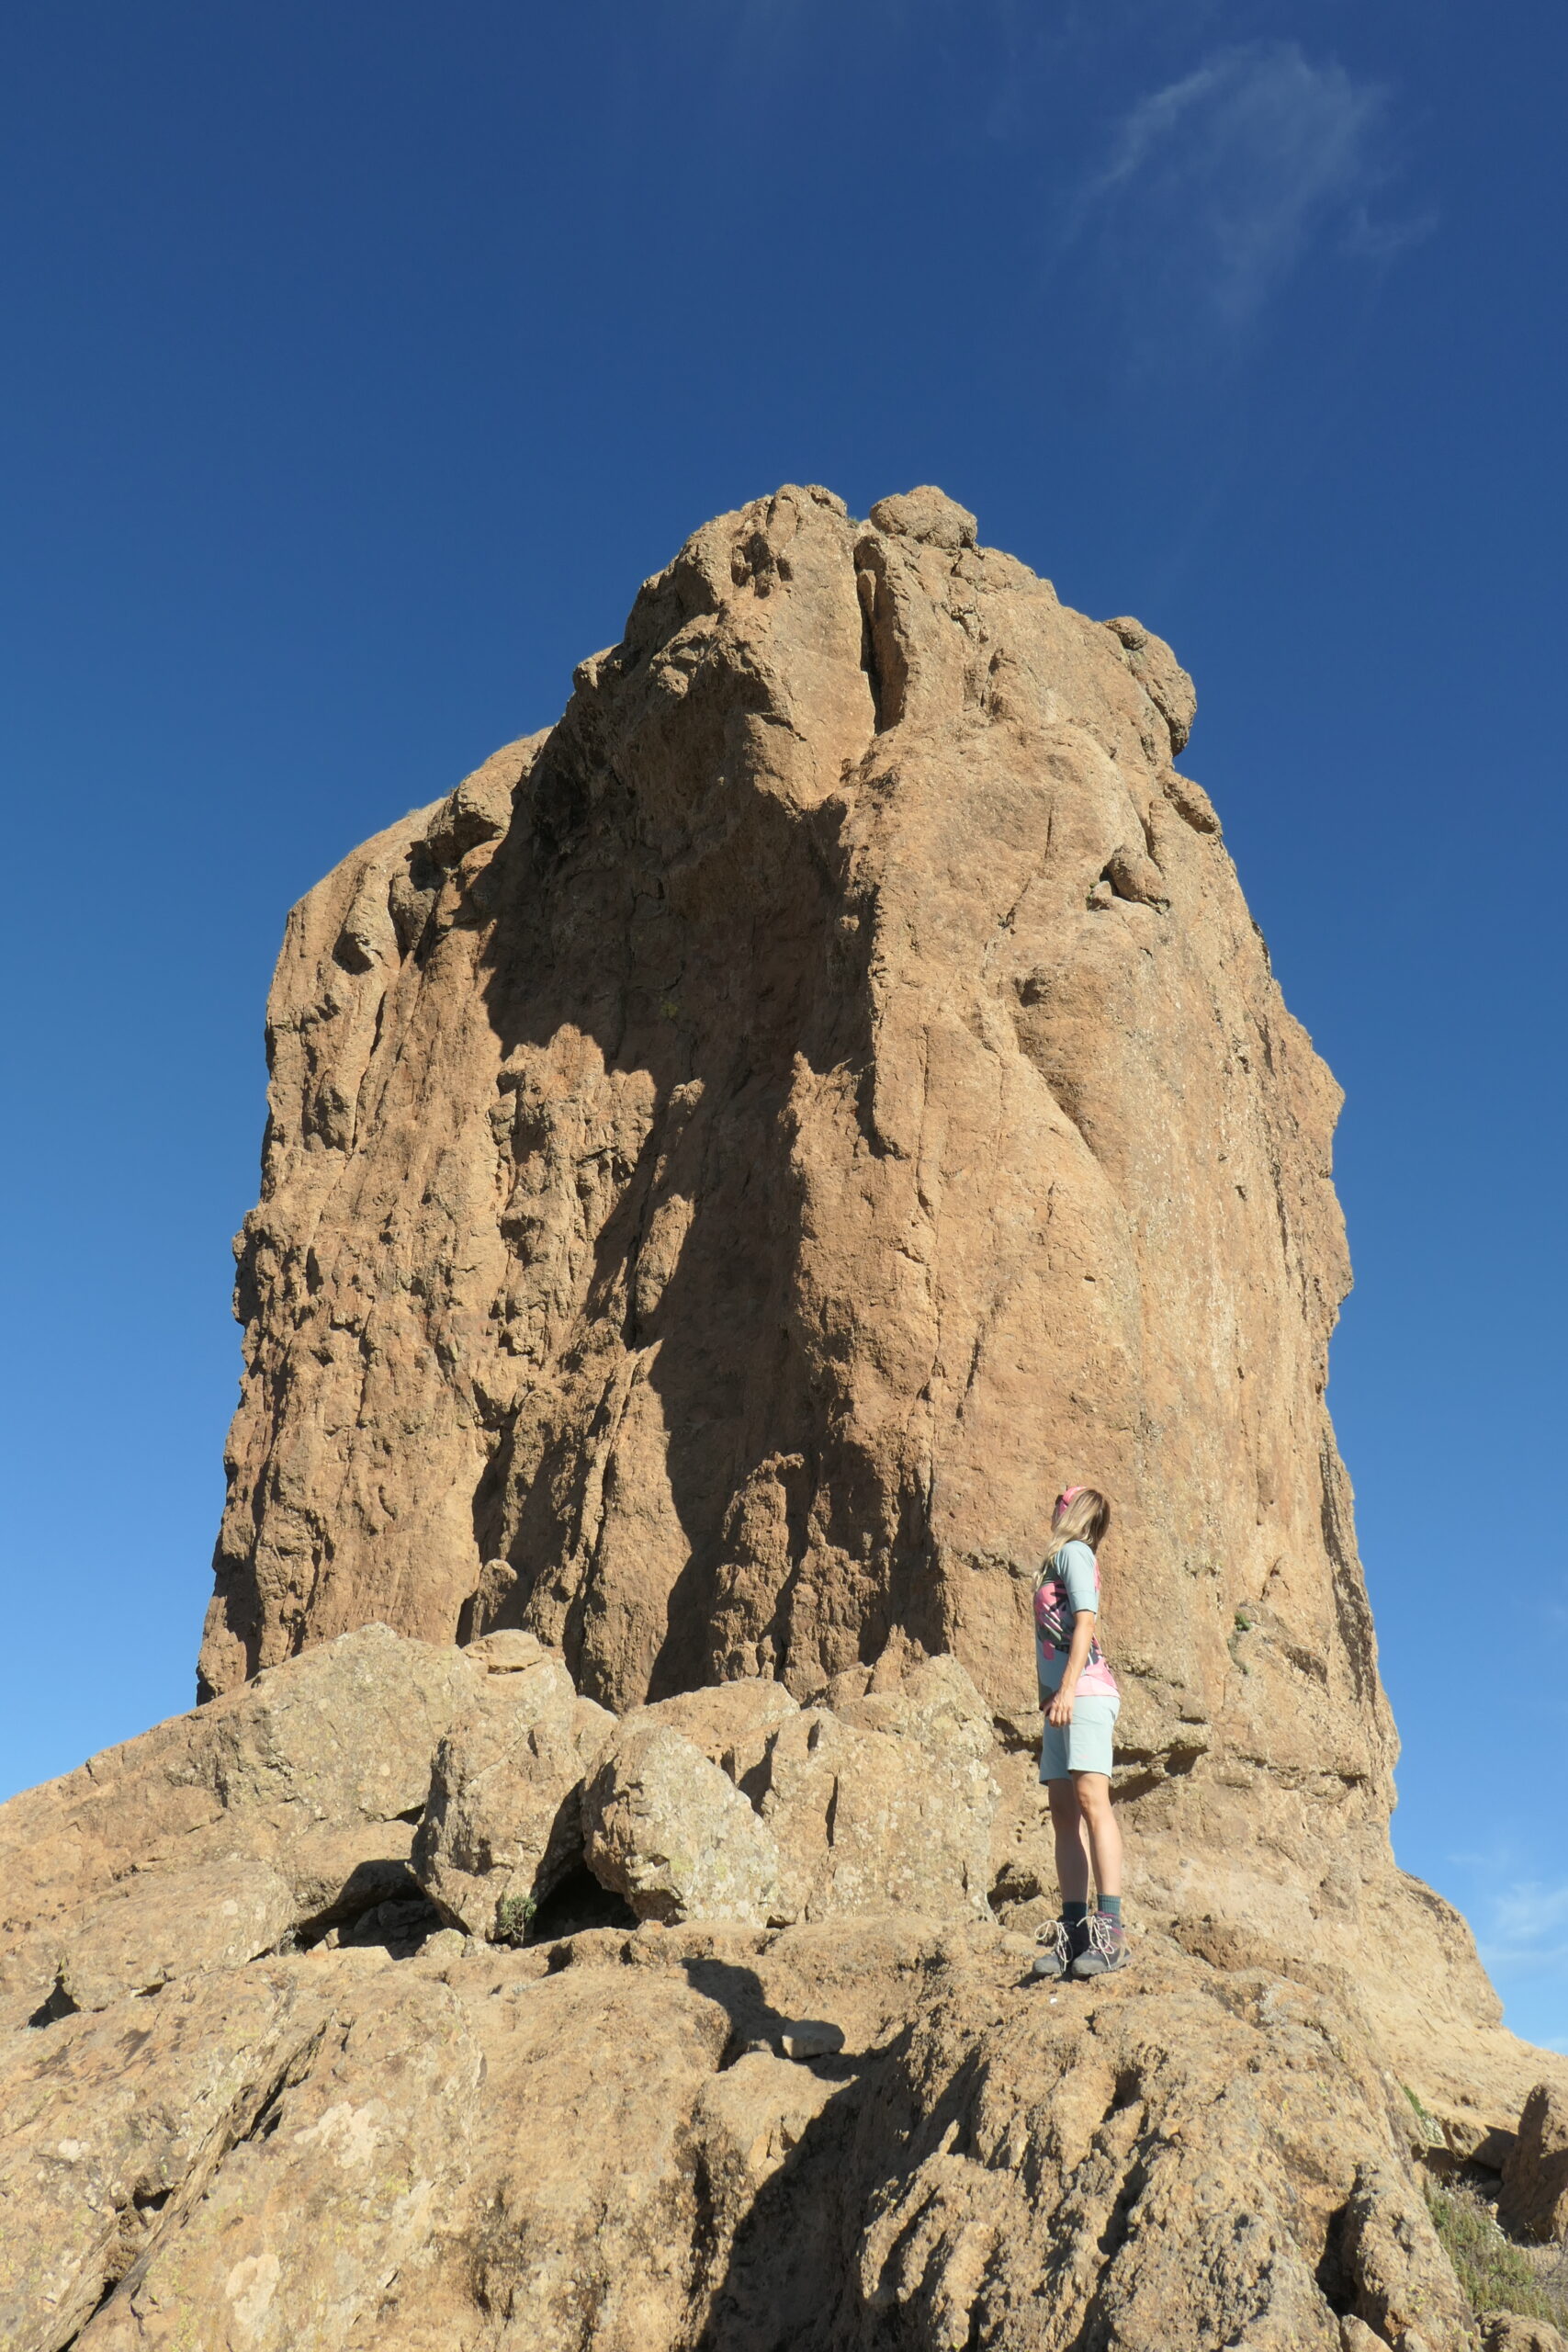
(1054, 1619)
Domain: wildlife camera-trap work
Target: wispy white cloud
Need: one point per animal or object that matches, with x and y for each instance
(1526, 1930)
(1213, 188)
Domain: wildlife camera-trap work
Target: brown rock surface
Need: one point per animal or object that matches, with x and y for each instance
(514, 2150)
(1507, 2332)
(1534, 2200)
(709, 1205)
(168, 1923)
(112, 2124)
(272, 1811)
(501, 1827)
(672, 1833)
(885, 1800)
(732, 1803)
(308, 2223)
(862, 2131)
(728, 1161)
(734, 1157)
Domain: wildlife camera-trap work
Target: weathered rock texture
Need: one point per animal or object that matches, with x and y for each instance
(736, 1156)
(728, 1162)
(275, 1809)
(263, 2096)
(733, 1803)
(867, 2132)
(1535, 2175)
(502, 1825)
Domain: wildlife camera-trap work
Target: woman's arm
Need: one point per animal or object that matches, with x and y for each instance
(1060, 1710)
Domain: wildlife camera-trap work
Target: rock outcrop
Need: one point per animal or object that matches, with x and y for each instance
(864, 2130)
(275, 1810)
(501, 1827)
(736, 1156)
(727, 1163)
(733, 1803)
(1535, 2172)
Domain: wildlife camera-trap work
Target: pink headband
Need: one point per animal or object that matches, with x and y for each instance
(1067, 1494)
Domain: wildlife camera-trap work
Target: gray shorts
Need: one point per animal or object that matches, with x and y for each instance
(1085, 1744)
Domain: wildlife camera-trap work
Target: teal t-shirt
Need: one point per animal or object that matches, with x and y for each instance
(1071, 1583)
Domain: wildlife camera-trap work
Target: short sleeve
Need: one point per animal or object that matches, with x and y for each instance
(1080, 1576)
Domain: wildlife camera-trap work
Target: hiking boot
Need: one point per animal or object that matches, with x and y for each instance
(1058, 1955)
(1104, 1946)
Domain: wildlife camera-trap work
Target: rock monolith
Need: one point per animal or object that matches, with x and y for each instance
(729, 1162)
(735, 1157)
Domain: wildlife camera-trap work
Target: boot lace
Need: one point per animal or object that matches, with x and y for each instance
(1105, 1934)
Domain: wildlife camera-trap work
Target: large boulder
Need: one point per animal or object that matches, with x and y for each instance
(273, 1812)
(1511, 2332)
(734, 1803)
(1534, 2199)
(884, 1799)
(740, 1140)
(162, 1924)
(502, 1824)
(732, 1160)
(732, 1723)
(672, 1833)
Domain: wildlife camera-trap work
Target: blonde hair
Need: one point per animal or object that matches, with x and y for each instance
(1082, 1515)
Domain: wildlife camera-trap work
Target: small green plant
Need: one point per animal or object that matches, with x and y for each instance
(1494, 2273)
(513, 1918)
(1244, 1623)
(1431, 2131)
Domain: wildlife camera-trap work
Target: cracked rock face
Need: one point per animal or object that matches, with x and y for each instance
(731, 1160)
(603, 2144)
(732, 1803)
(734, 1159)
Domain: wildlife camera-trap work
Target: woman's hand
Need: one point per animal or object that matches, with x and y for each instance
(1060, 1711)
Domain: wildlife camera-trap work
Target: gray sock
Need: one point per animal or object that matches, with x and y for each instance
(1075, 1913)
(1112, 1906)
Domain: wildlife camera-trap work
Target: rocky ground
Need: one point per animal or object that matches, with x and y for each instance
(277, 2073)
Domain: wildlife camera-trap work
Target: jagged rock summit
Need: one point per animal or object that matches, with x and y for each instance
(728, 1162)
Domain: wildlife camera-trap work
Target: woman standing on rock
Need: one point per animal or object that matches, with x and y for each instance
(1078, 1694)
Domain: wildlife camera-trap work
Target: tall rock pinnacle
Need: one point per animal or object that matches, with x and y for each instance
(729, 1164)
(734, 1159)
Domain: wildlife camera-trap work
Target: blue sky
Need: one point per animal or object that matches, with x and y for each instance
(363, 360)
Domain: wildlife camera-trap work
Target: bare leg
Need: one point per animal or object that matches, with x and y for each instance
(1093, 1792)
(1072, 1848)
